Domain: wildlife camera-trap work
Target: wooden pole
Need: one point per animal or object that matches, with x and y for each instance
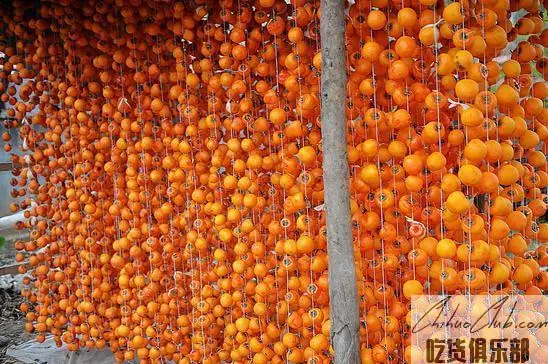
(343, 289)
(10, 269)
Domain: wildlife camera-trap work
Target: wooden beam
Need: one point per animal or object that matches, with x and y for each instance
(10, 269)
(5, 167)
(343, 289)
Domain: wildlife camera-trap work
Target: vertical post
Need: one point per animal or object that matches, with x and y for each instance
(343, 290)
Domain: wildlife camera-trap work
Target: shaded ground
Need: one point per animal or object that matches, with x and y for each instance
(11, 323)
(11, 319)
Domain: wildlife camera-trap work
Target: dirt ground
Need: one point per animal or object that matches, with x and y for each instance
(11, 324)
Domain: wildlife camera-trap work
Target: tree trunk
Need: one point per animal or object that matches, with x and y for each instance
(343, 290)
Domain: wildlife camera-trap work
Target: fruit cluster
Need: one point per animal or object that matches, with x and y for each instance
(171, 169)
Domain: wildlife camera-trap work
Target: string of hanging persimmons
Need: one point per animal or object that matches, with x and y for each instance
(169, 166)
